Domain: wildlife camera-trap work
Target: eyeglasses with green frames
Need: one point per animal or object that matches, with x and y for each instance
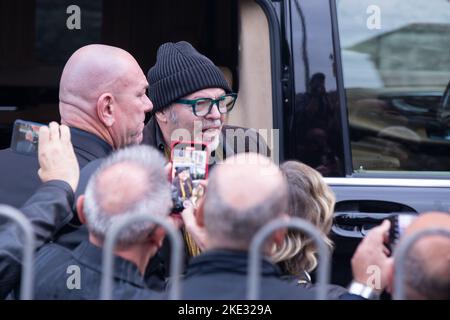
(203, 106)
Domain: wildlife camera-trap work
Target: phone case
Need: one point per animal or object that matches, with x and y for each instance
(189, 166)
(25, 136)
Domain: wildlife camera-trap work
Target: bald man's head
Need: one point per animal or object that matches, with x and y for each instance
(98, 84)
(91, 71)
(243, 194)
(129, 182)
(428, 262)
(247, 180)
(126, 179)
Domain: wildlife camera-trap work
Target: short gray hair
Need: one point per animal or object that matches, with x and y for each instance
(155, 201)
(236, 227)
(421, 282)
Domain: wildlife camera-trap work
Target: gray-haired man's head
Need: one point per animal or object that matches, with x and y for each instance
(244, 194)
(129, 182)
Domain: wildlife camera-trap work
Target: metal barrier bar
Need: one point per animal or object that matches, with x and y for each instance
(26, 282)
(400, 255)
(108, 254)
(254, 267)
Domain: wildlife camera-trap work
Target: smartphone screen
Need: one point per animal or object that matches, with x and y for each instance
(189, 167)
(25, 137)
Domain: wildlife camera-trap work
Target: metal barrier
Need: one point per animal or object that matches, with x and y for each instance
(254, 267)
(400, 255)
(26, 282)
(108, 254)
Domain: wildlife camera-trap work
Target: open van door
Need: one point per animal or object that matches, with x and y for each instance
(367, 108)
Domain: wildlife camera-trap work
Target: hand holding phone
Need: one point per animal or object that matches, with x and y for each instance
(57, 158)
(189, 168)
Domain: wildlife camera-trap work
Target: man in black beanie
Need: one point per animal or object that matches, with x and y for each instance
(190, 98)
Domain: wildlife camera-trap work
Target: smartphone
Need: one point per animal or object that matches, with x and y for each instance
(399, 223)
(25, 137)
(189, 166)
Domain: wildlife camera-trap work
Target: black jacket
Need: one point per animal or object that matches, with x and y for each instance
(49, 209)
(18, 171)
(222, 275)
(334, 292)
(57, 269)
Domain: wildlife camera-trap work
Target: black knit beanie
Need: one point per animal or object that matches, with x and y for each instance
(179, 71)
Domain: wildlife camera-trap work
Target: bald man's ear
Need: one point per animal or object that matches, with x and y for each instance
(105, 109)
(80, 209)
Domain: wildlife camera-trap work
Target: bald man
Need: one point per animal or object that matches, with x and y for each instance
(243, 194)
(102, 100)
(137, 174)
(427, 271)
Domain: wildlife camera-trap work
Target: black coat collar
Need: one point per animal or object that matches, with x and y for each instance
(91, 256)
(89, 146)
(228, 261)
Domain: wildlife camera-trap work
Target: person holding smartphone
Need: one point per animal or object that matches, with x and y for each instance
(59, 174)
(190, 99)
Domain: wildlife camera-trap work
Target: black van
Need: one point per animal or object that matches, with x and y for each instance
(358, 90)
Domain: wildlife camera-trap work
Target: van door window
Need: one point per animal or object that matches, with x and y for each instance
(313, 132)
(396, 72)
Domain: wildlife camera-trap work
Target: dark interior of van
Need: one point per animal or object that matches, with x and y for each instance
(34, 49)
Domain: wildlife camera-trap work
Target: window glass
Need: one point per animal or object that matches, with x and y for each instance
(59, 31)
(313, 132)
(396, 69)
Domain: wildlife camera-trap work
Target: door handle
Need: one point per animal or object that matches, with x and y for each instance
(356, 224)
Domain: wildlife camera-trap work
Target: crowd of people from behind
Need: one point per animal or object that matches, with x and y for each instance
(103, 165)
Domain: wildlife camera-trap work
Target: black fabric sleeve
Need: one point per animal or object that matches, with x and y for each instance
(48, 210)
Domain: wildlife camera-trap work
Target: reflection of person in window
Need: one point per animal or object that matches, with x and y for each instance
(28, 144)
(316, 130)
(319, 155)
(183, 183)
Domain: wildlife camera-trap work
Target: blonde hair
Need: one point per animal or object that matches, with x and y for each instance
(311, 199)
